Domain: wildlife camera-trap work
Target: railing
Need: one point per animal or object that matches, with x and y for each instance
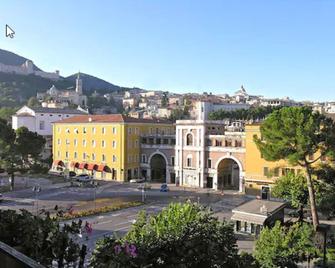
(11, 258)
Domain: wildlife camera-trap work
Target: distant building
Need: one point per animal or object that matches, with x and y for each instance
(27, 68)
(278, 102)
(54, 95)
(40, 120)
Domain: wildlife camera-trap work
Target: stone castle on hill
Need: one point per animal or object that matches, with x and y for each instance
(27, 68)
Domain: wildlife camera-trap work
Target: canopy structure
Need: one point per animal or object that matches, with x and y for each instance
(92, 167)
(58, 163)
(83, 165)
(74, 164)
(104, 168)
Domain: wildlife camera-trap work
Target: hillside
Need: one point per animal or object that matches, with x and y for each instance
(10, 58)
(15, 89)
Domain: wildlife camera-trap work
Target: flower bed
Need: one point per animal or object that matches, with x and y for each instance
(105, 209)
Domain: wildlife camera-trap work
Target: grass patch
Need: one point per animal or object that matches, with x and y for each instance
(101, 210)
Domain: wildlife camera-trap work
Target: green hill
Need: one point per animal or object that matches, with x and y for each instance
(15, 89)
(10, 58)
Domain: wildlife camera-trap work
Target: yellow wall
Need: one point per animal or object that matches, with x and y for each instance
(127, 149)
(255, 164)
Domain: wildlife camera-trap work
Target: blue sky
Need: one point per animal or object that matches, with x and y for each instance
(274, 48)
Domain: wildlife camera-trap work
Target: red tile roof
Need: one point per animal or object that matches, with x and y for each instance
(109, 118)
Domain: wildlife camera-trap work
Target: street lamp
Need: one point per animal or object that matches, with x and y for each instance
(36, 190)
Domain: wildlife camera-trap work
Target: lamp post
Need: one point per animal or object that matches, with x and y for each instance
(36, 190)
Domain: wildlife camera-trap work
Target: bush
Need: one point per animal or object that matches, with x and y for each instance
(182, 235)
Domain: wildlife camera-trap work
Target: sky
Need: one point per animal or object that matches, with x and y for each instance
(274, 48)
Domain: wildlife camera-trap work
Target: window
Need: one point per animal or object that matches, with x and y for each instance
(165, 141)
(84, 130)
(129, 130)
(114, 144)
(114, 158)
(173, 141)
(84, 155)
(144, 140)
(130, 144)
(59, 129)
(114, 130)
(42, 125)
(58, 153)
(189, 139)
(218, 143)
(93, 143)
(228, 143)
(266, 171)
(58, 141)
(66, 154)
(209, 163)
(136, 143)
(189, 161)
(84, 143)
(238, 143)
(172, 160)
(103, 130)
(93, 156)
(276, 172)
(75, 155)
(103, 144)
(93, 130)
(130, 158)
(103, 157)
(67, 130)
(151, 130)
(144, 158)
(136, 130)
(67, 142)
(76, 130)
(75, 142)
(158, 141)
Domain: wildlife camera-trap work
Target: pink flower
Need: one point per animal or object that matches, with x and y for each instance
(117, 249)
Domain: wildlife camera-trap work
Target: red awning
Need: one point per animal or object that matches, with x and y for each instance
(82, 165)
(74, 164)
(92, 167)
(58, 163)
(101, 168)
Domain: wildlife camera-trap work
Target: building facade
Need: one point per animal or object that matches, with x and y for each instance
(210, 154)
(106, 146)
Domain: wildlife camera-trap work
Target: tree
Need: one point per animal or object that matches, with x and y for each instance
(292, 188)
(285, 246)
(325, 189)
(41, 238)
(165, 99)
(182, 235)
(33, 102)
(300, 136)
(19, 150)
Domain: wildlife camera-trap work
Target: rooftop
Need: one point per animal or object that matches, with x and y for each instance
(110, 118)
(56, 110)
(259, 207)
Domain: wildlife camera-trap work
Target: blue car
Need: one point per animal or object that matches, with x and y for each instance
(164, 187)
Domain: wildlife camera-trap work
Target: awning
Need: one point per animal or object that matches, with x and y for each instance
(103, 167)
(82, 165)
(92, 167)
(74, 164)
(58, 163)
(249, 218)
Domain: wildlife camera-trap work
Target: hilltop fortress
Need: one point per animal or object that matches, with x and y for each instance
(27, 68)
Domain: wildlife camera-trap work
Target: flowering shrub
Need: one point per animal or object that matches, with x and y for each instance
(182, 235)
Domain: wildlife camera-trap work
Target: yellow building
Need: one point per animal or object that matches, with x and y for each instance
(107, 146)
(260, 174)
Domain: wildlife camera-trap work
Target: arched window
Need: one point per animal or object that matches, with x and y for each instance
(189, 139)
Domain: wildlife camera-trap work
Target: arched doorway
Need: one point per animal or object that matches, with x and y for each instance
(158, 168)
(228, 173)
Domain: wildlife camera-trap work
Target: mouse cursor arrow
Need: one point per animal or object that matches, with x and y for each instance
(9, 32)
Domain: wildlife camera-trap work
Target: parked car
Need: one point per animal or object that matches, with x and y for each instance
(164, 187)
(83, 178)
(137, 180)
